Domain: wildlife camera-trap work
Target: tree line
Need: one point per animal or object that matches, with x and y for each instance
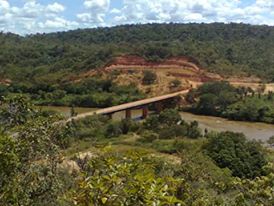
(222, 99)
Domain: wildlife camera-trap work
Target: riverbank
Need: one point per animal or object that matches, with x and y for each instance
(253, 130)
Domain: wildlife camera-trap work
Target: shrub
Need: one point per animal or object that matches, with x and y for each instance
(270, 141)
(165, 146)
(193, 130)
(175, 83)
(173, 131)
(148, 136)
(149, 78)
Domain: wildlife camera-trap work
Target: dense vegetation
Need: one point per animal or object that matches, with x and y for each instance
(42, 162)
(243, 158)
(166, 125)
(92, 92)
(222, 99)
(223, 48)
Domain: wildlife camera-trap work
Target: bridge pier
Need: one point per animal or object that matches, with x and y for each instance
(110, 115)
(159, 107)
(144, 112)
(128, 114)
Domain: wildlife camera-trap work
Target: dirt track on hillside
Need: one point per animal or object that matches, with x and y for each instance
(254, 86)
(185, 69)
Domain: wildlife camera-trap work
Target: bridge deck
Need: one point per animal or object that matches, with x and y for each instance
(130, 105)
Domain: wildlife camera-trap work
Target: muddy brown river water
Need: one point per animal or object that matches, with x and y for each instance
(258, 131)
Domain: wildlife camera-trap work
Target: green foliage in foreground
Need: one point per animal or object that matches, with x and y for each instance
(28, 164)
(33, 170)
(222, 99)
(15, 111)
(132, 180)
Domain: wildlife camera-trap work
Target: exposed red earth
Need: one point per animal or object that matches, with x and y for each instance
(185, 69)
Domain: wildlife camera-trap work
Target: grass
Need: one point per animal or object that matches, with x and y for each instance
(91, 144)
(158, 149)
(79, 146)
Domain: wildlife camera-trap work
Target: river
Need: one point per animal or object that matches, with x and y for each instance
(258, 131)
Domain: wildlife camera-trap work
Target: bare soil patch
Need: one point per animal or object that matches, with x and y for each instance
(126, 70)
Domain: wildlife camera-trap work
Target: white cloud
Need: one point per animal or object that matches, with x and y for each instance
(57, 23)
(194, 17)
(176, 10)
(143, 11)
(91, 18)
(97, 4)
(55, 8)
(4, 6)
(34, 16)
(4, 13)
(84, 17)
(265, 3)
(31, 9)
(95, 13)
(115, 11)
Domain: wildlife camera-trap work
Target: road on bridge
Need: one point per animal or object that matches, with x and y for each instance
(131, 105)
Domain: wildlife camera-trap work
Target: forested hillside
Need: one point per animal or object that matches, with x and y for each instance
(222, 48)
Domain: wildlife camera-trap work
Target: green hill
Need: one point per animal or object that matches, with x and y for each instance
(222, 48)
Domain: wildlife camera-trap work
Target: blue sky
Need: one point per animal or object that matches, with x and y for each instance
(38, 16)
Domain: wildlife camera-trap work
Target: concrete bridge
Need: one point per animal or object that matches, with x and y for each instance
(143, 104)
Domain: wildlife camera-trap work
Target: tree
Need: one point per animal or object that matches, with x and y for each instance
(125, 180)
(207, 104)
(29, 162)
(169, 117)
(166, 118)
(245, 159)
(222, 99)
(9, 163)
(29, 158)
(16, 111)
(215, 88)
